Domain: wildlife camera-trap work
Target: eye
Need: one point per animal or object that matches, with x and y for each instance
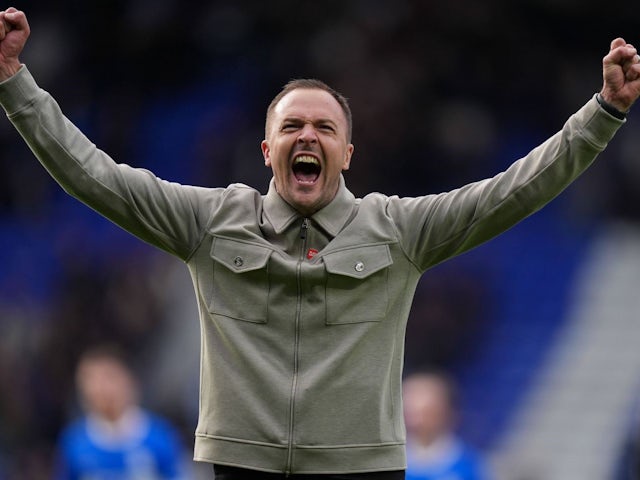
(288, 127)
(325, 127)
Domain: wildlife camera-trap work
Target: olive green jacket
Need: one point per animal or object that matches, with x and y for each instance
(303, 320)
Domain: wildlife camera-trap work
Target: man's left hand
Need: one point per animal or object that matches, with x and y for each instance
(621, 75)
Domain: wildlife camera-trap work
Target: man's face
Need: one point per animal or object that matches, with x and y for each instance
(307, 148)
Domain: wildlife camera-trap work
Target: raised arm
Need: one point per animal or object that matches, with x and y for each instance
(170, 216)
(456, 221)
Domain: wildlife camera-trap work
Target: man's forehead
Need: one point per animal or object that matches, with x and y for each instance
(309, 102)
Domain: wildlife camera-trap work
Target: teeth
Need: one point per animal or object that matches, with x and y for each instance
(306, 159)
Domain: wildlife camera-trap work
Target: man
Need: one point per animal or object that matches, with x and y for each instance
(434, 452)
(304, 292)
(116, 438)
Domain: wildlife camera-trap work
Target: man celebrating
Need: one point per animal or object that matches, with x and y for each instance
(304, 292)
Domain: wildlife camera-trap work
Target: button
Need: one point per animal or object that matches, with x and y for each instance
(238, 261)
(359, 267)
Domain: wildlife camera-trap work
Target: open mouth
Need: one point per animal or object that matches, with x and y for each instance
(306, 168)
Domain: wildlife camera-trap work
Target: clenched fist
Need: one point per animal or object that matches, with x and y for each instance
(14, 31)
(621, 75)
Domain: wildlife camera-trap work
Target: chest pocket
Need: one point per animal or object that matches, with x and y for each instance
(240, 287)
(357, 284)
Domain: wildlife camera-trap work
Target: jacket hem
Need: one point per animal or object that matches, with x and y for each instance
(306, 459)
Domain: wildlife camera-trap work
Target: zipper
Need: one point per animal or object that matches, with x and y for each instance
(303, 235)
(294, 384)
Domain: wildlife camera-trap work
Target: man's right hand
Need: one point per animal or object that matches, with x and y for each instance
(14, 31)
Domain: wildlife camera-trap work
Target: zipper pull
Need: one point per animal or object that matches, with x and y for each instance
(304, 228)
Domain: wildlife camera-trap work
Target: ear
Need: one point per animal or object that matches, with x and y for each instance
(266, 152)
(347, 157)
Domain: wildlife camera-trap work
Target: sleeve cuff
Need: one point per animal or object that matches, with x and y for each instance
(597, 125)
(18, 91)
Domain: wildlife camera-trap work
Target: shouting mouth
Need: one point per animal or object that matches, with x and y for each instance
(306, 169)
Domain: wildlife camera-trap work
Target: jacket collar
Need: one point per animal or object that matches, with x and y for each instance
(331, 218)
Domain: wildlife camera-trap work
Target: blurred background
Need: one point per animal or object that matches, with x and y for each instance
(539, 327)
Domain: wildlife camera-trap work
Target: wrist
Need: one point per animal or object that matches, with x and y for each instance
(610, 108)
(8, 70)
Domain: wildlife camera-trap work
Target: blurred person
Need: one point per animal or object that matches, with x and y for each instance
(304, 292)
(116, 439)
(434, 451)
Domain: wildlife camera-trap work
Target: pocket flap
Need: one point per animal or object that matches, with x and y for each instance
(239, 256)
(358, 262)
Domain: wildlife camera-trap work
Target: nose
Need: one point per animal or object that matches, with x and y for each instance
(308, 134)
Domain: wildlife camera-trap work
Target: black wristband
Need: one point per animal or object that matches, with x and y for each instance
(610, 109)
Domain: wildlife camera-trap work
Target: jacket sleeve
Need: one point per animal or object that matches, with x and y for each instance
(436, 227)
(167, 215)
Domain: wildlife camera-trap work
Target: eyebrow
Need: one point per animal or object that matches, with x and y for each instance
(320, 121)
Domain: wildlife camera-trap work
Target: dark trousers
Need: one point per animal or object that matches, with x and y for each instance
(223, 472)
